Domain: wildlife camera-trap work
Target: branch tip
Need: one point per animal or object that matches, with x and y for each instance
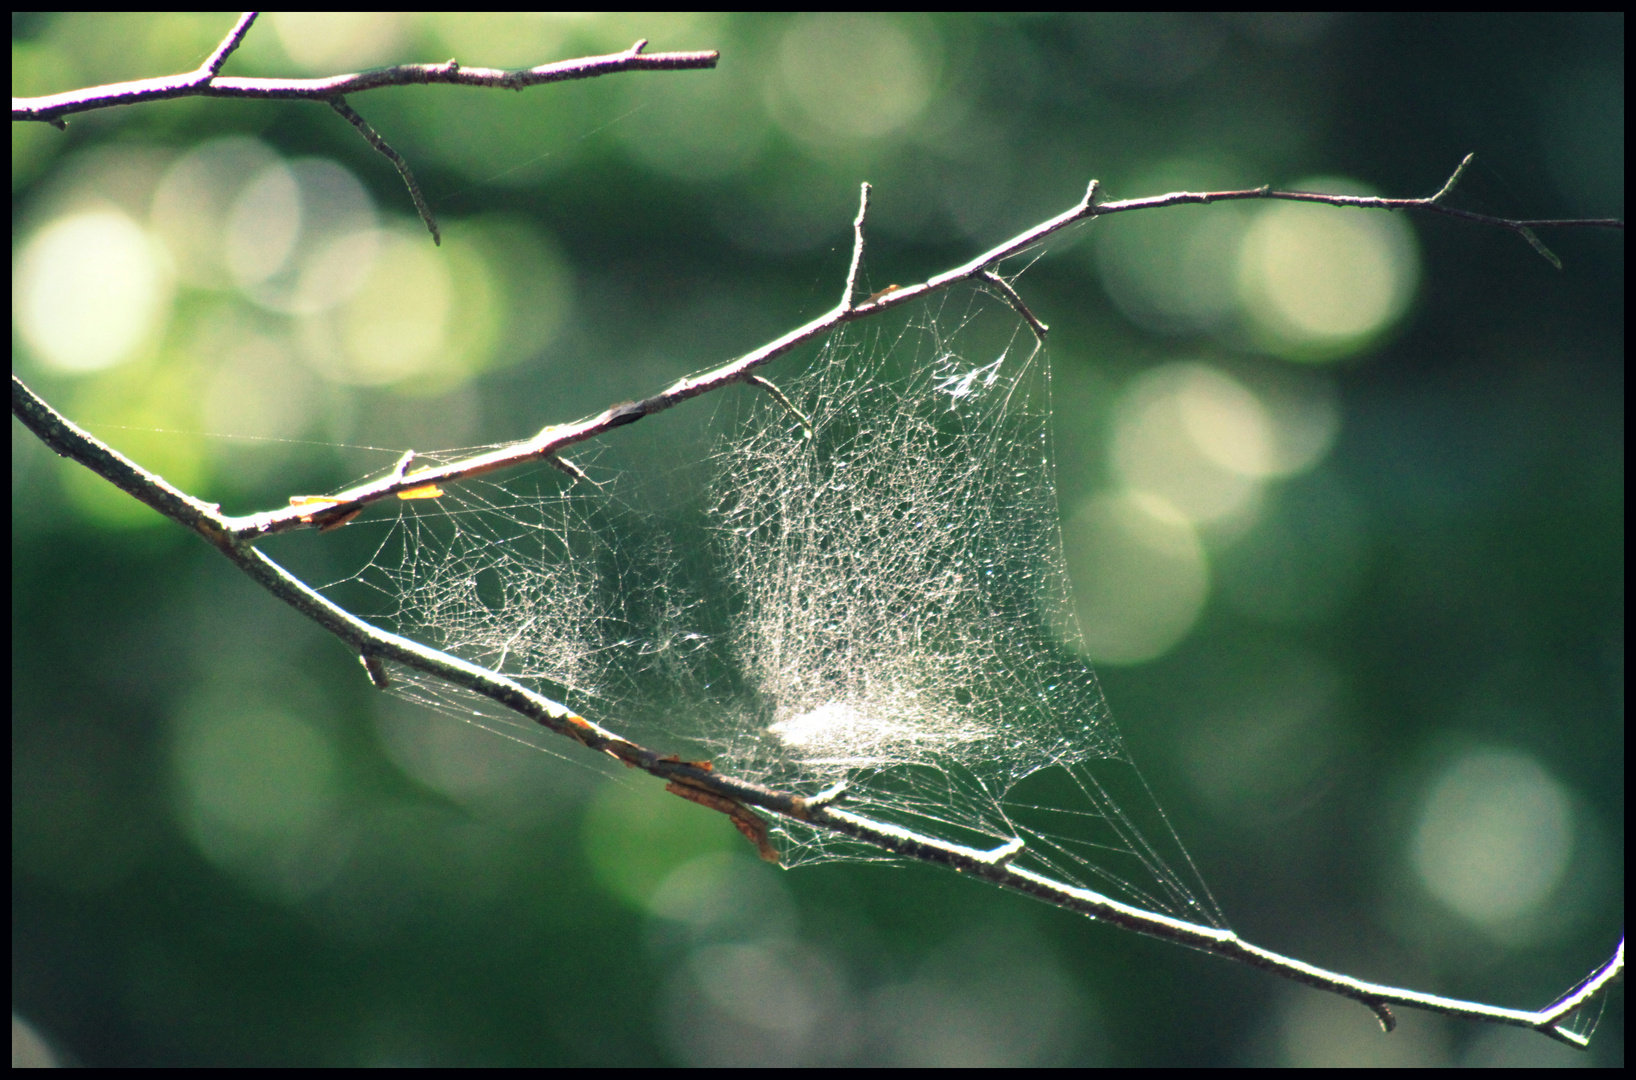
(857, 247)
(1534, 242)
(1002, 855)
(1454, 178)
(828, 797)
(779, 396)
(231, 42)
(570, 468)
(374, 139)
(377, 670)
(1015, 299)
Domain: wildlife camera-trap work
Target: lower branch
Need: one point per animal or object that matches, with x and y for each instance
(1224, 943)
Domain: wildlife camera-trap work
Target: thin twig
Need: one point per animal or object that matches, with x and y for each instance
(778, 395)
(403, 463)
(1521, 226)
(339, 105)
(199, 76)
(51, 107)
(1454, 178)
(375, 669)
(229, 44)
(562, 464)
(857, 247)
(204, 81)
(1013, 298)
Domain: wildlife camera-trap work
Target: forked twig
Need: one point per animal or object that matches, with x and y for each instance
(553, 438)
(1523, 227)
(204, 81)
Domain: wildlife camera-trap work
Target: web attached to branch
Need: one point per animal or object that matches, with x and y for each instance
(895, 552)
(874, 595)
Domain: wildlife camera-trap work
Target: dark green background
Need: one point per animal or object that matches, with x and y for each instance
(1484, 440)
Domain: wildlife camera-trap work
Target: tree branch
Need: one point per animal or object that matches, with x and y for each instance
(549, 441)
(204, 81)
(1523, 227)
(339, 105)
(553, 438)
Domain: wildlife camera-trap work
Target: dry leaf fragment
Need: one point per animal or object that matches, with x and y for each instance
(320, 503)
(749, 823)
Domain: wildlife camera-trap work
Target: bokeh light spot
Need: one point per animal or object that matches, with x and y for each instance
(848, 77)
(1319, 282)
(89, 290)
(635, 834)
(257, 791)
(1494, 836)
(299, 236)
(1139, 574)
(395, 326)
(1173, 271)
(1194, 437)
(194, 199)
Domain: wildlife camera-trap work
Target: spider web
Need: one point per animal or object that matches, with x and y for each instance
(874, 592)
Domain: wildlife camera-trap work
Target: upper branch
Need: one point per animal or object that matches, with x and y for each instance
(204, 82)
(550, 441)
(547, 444)
(1523, 227)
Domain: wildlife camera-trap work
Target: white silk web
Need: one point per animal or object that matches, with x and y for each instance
(875, 594)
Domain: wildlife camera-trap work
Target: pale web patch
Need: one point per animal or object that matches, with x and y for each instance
(875, 595)
(545, 581)
(898, 573)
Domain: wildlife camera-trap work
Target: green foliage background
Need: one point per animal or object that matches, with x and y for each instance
(1483, 442)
